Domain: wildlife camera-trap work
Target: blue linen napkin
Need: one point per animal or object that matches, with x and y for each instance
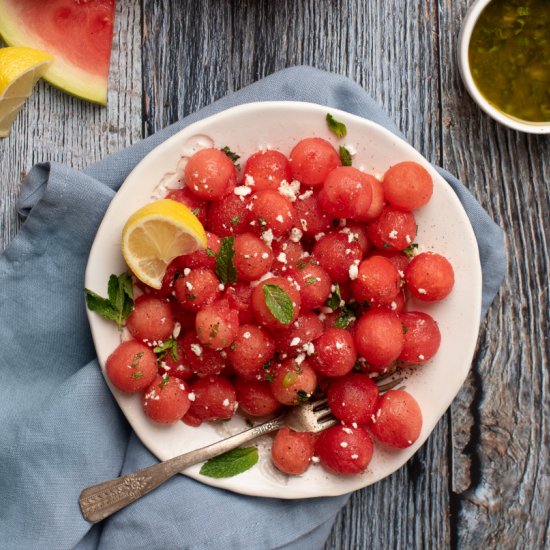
(61, 429)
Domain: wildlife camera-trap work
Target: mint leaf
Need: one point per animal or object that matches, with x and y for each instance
(279, 303)
(210, 252)
(231, 463)
(337, 128)
(333, 301)
(225, 269)
(120, 302)
(169, 345)
(345, 317)
(410, 251)
(345, 156)
(233, 156)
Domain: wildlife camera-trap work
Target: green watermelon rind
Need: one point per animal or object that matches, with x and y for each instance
(61, 74)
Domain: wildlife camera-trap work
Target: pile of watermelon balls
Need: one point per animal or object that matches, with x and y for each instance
(300, 293)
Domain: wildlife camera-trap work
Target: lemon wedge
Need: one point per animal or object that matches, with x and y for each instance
(156, 234)
(20, 68)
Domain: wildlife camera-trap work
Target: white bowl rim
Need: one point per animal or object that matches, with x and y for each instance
(466, 30)
(468, 350)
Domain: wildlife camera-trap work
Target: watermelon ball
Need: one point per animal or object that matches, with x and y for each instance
(151, 320)
(345, 193)
(422, 337)
(393, 229)
(197, 289)
(255, 397)
(311, 160)
(352, 398)
(271, 211)
(292, 451)
(210, 174)
(408, 186)
(253, 258)
(212, 398)
(166, 400)
(315, 285)
(377, 282)
(335, 353)
(131, 367)
(430, 277)
(294, 382)
(251, 349)
(379, 338)
(228, 216)
(344, 450)
(217, 324)
(397, 421)
(337, 255)
(266, 170)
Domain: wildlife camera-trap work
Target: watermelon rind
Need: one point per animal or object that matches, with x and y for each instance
(63, 75)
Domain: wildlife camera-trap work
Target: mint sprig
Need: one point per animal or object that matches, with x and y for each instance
(233, 156)
(170, 345)
(333, 301)
(345, 156)
(119, 303)
(337, 128)
(279, 303)
(231, 463)
(225, 268)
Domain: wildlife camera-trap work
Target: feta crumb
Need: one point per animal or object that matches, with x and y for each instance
(196, 349)
(247, 335)
(354, 456)
(343, 444)
(225, 402)
(177, 329)
(191, 396)
(315, 459)
(408, 239)
(295, 341)
(354, 425)
(393, 306)
(221, 286)
(422, 291)
(353, 272)
(188, 285)
(265, 255)
(306, 195)
(282, 258)
(280, 218)
(300, 359)
(242, 191)
(249, 180)
(421, 357)
(347, 430)
(393, 234)
(319, 236)
(186, 271)
(309, 348)
(289, 190)
(267, 236)
(339, 345)
(295, 234)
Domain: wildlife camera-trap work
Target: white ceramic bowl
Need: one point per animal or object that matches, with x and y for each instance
(468, 25)
(443, 227)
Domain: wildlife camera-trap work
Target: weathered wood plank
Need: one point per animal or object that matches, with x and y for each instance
(500, 448)
(222, 46)
(57, 127)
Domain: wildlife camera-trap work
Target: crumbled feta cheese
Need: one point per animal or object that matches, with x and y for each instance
(309, 348)
(280, 218)
(408, 239)
(186, 271)
(347, 430)
(339, 345)
(319, 236)
(295, 341)
(267, 236)
(191, 396)
(343, 444)
(221, 286)
(296, 234)
(354, 425)
(196, 349)
(249, 180)
(421, 357)
(393, 306)
(393, 234)
(242, 190)
(282, 258)
(306, 195)
(289, 190)
(353, 272)
(247, 335)
(265, 255)
(177, 329)
(225, 402)
(315, 459)
(300, 359)
(354, 456)
(188, 285)
(422, 291)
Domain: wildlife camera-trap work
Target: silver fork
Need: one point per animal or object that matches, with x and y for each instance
(100, 501)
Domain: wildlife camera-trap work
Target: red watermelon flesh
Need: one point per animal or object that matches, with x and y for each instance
(79, 34)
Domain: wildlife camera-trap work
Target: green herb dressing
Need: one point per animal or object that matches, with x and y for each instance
(509, 57)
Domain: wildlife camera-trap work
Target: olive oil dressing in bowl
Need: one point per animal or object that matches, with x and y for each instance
(504, 59)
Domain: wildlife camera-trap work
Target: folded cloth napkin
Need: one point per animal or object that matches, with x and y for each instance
(61, 429)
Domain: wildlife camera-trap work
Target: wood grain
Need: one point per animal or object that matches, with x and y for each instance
(500, 445)
(482, 479)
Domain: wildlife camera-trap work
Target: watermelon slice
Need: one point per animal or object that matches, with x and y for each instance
(77, 32)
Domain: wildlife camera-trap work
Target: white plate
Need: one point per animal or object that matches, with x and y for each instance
(443, 227)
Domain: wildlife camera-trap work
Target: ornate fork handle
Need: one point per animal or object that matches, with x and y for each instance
(100, 501)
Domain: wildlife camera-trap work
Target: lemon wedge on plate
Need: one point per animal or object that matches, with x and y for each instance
(156, 234)
(20, 68)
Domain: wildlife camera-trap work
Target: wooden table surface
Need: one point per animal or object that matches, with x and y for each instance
(482, 478)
